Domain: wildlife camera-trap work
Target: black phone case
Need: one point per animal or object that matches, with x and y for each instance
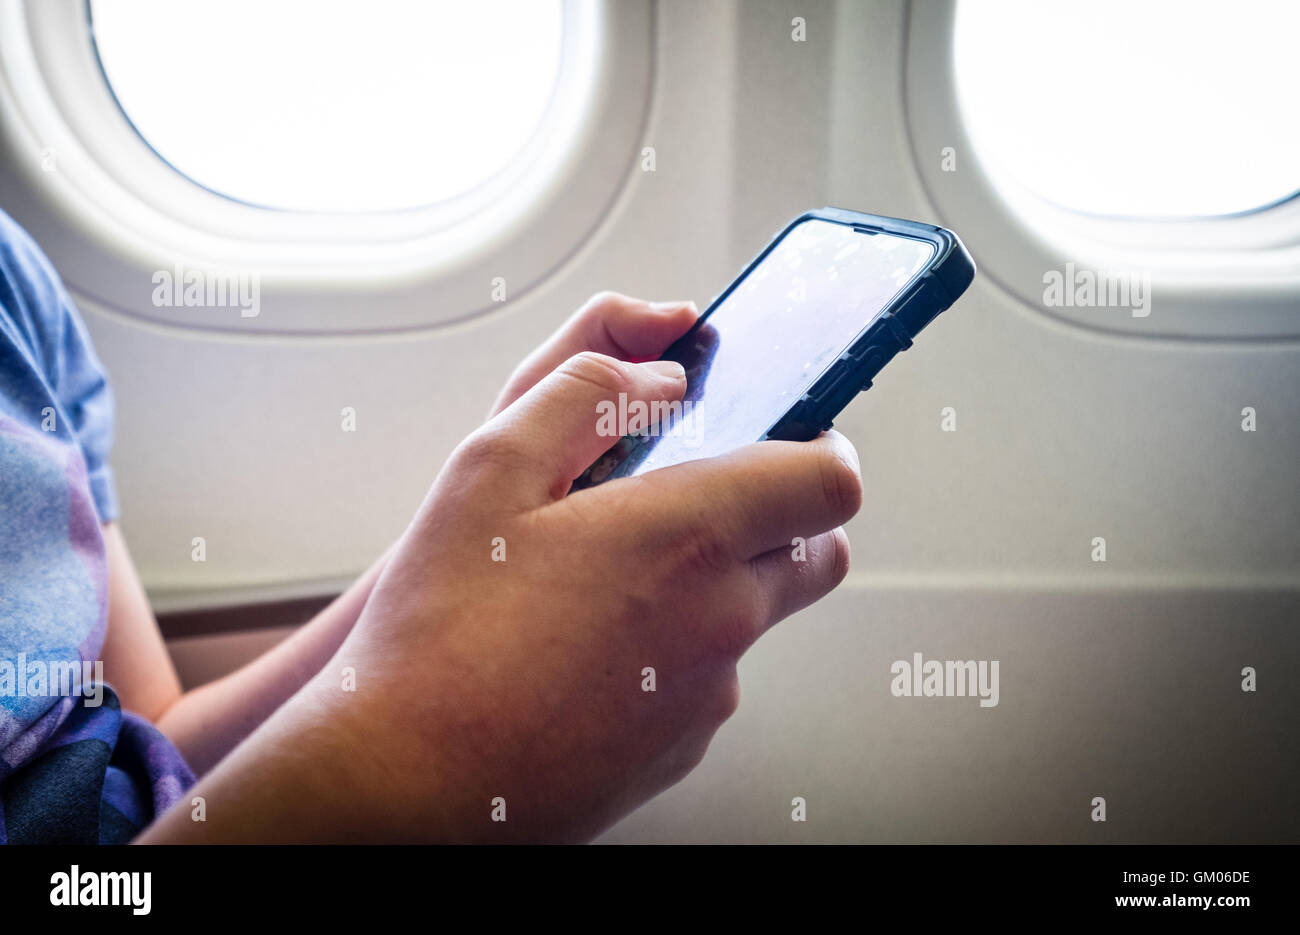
(946, 278)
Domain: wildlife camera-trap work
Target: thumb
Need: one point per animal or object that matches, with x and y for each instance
(550, 435)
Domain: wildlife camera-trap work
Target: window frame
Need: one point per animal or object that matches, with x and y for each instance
(1234, 277)
(132, 213)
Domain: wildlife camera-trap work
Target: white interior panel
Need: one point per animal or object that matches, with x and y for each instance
(1062, 435)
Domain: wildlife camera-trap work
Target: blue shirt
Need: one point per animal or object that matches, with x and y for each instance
(74, 767)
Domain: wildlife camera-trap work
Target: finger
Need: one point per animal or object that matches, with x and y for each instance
(756, 498)
(801, 573)
(610, 324)
(549, 436)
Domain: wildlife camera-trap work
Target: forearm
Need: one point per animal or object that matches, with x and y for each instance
(278, 786)
(208, 722)
(326, 767)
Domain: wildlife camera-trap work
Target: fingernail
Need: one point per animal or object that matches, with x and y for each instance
(668, 369)
(672, 306)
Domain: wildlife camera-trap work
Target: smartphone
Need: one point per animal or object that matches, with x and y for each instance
(805, 327)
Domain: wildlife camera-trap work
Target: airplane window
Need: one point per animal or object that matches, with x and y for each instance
(1165, 108)
(325, 106)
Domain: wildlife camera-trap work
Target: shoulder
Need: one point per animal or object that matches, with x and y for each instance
(32, 299)
(48, 362)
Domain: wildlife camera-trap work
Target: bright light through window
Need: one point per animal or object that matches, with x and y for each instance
(1157, 108)
(330, 105)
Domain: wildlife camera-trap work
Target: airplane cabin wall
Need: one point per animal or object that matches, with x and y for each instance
(970, 544)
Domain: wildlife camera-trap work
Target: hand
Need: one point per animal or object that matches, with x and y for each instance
(610, 324)
(471, 684)
(523, 680)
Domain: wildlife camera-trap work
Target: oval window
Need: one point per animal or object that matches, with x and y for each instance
(328, 106)
(1163, 108)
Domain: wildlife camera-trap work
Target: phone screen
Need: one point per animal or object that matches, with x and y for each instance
(765, 345)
